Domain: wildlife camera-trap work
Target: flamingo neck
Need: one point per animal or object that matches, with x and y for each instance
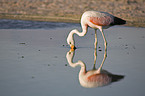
(75, 31)
(83, 33)
(78, 63)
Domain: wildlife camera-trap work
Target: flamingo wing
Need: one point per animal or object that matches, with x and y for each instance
(102, 78)
(102, 21)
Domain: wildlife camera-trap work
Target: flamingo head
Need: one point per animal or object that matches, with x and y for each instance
(70, 40)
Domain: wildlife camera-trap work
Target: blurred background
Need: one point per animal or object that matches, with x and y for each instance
(70, 10)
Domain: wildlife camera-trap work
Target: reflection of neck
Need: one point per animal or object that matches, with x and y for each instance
(69, 57)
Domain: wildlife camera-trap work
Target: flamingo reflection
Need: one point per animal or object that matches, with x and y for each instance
(92, 78)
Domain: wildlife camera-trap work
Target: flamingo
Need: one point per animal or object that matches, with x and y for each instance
(97, 20)
(92, 78)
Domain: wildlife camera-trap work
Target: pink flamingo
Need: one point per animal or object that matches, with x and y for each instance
(97, 20)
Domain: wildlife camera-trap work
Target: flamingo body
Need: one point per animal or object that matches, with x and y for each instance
(98, 18)
(103, 78)
(94, 78)
(102, 21)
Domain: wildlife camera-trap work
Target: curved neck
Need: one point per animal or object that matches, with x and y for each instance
(83, 33)
(70, 56)
(75, 31)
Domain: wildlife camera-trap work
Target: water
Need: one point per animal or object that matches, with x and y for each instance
(33, 60)
(21, 24)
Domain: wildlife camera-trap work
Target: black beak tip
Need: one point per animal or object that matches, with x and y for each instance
(75, 48)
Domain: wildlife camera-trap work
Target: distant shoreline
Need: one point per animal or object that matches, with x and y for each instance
(39, 18)
(71, 10)
(133, 23)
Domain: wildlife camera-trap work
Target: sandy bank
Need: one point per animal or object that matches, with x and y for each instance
(71, 10)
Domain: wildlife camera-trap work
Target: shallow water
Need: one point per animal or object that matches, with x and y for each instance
(21, 24)
(33, 62)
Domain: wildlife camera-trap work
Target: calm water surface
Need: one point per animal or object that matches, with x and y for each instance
(34, 60)
(20, 24)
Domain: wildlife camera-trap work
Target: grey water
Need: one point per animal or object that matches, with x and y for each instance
(33, 60)
(25, 24)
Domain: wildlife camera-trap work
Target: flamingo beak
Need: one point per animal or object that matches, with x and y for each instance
(73, 47)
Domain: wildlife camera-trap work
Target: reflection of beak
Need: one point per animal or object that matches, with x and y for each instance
(73, 47)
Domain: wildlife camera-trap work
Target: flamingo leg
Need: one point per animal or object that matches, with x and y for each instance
(95, 51)
(96, 40)
(105, 53)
